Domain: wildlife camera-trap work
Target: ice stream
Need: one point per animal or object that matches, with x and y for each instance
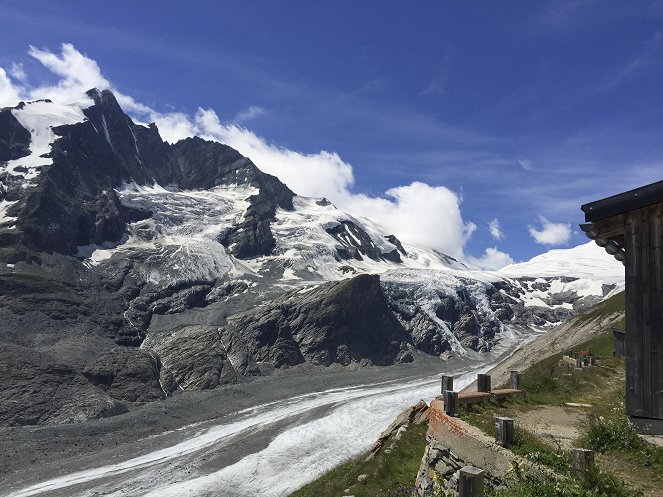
(322, 430)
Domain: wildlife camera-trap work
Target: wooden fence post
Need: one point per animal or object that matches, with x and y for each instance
(516, 380)
(503, 431)
(447, 383)
(583, 461)
(483, 383)
(470, 482)
(450, 402)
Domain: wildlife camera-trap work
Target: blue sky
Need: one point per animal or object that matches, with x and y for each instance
(524, 109)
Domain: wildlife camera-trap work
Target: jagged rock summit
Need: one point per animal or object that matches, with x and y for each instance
(132, 269)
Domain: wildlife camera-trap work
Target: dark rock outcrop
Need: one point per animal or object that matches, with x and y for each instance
(73, 201)
(14, 138)
(126, 374)
(337, 322)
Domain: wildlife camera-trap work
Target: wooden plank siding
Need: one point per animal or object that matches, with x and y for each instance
(644, 312)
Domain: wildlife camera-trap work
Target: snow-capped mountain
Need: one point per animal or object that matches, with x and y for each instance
(132, 268)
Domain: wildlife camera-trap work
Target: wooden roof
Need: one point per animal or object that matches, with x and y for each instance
(623, 202)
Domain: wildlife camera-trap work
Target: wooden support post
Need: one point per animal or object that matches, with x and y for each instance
(450, 402)
(504, 431)
(483, 383)
(516, 380)
(470, 482)
(583, 461)
(578, 363)
(447, 383)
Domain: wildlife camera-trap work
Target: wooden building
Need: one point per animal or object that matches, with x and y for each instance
(630, 227)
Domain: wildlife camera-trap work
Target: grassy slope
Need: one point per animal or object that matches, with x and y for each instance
(622, 455)
(389, 473)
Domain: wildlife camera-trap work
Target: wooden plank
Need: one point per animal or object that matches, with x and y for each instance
(656, 347)
(647, 299)
(633, 315)
(612, 227)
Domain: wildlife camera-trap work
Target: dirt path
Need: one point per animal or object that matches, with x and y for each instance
(556, 424)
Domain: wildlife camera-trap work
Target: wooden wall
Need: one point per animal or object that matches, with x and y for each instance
(644, 312)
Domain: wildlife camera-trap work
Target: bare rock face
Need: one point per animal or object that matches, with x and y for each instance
(338, 322)
(192, 358)
(14, 138)
(39, 389)
(126, 374)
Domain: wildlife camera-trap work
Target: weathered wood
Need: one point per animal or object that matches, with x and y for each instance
(483, 383)
(447, 383)
(504, 431)
(470, 482)
(656, 344)
(644, 313)
(450, 402)
(611, 228)
(583, 461)
(633, 314)
(516, 380)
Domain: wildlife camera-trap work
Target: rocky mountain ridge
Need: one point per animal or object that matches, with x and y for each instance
(132, 269)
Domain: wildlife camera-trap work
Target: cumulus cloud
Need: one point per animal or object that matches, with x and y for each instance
(419, 214)
(9, 93)
(550, 233)
(495, 229)
(492, 260)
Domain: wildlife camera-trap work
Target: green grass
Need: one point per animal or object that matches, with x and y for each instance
(389, 474)
(614, 304)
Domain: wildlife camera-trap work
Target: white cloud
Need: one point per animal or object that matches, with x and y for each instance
(492, 260)
(419, 214)
(495, 229)
(251, 113)
(78, 74)
(9, 94)
(17, 72)
(551, 233)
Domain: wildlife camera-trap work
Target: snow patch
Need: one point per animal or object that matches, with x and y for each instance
(39, 118)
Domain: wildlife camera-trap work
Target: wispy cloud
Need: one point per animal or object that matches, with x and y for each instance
(650, 55)
(17, 72)
(253, 112)
(438, 86)
(525, 164)
(551, 233)
(495, 229)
